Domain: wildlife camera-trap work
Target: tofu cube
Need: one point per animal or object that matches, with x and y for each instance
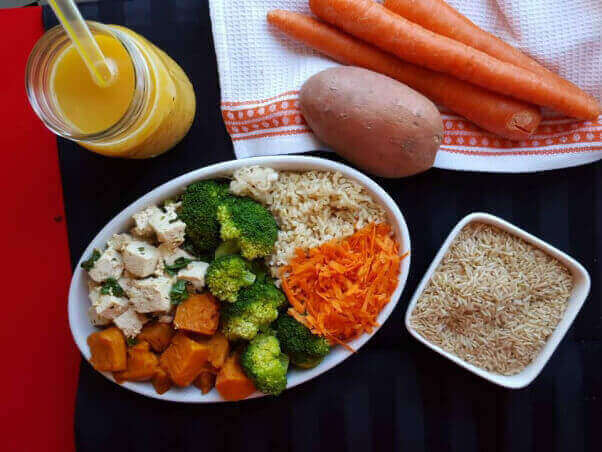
(95, 319)
(119, 241)
(168, 228)
(126, 281)
(92, 285)
(108, 265)
(140, 258)
(130, 323)
(169, 254)
(195, 274)
(160, 268)
(110, 306)
(94, 294)
(142, 227)
(172, 206)
(151, 294)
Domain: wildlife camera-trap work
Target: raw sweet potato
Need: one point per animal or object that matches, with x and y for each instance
(157, 334)
(108, 350)
(375, 122)
(205, 381)
(142, 364)
(231, 382)
(198, 313)
(218, 349)
(161, 381)
(184, 359)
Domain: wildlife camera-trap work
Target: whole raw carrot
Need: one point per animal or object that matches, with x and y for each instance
(501, 115)
(372, 22)
(439, 17)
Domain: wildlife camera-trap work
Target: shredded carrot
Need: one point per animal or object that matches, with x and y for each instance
(338, 289)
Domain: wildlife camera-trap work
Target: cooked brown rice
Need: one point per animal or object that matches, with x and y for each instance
(493, 300)
(311, 207)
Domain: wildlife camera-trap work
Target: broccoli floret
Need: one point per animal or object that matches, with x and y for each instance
(226, 275)
(305, 349)
(227, 247)
(256, 307)
(250, 224)
(264, 363)
(261, 270)
(198, 211)
(265, 291)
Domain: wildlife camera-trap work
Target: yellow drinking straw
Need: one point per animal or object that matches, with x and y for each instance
(102, 70)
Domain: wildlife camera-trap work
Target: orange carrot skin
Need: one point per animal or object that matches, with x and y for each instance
(439, 17)
(372, 22)
(501, 115)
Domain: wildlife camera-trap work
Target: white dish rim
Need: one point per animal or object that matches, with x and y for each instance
(578, 296)
(191, 394)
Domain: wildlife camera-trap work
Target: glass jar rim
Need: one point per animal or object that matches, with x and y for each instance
(48, 47)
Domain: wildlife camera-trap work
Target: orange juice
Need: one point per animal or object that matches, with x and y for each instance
(146, 111)
(82, 102)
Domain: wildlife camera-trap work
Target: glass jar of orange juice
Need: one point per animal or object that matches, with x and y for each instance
(146, 111)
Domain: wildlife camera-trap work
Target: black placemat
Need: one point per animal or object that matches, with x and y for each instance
(394, 394)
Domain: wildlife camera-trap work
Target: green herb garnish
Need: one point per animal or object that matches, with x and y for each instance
(88, 264)
(178, 292)
(131, 341)
(179, 264)
(110, 286)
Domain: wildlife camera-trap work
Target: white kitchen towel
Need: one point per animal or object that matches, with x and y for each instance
(261, 71)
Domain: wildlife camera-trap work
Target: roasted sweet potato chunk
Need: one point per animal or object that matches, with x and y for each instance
(199, 314)
(142, 364)
(231, 381)
(161, 381)
(157, 334)
(108, 350)
(184, 359)
(218, 349)
(205, 381)
(207, 367)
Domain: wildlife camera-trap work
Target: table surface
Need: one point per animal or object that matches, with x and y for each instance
(395, 393)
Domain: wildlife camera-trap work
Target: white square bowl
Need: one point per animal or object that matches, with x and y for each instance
(580, 291)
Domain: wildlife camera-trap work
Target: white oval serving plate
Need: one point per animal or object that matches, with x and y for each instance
(78, 292)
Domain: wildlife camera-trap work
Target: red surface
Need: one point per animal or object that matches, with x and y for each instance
(39, 359)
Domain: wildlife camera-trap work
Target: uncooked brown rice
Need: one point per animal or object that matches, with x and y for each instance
(493, 300)
(311, 207)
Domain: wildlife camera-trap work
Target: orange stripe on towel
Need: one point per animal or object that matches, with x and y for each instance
(274, 116)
